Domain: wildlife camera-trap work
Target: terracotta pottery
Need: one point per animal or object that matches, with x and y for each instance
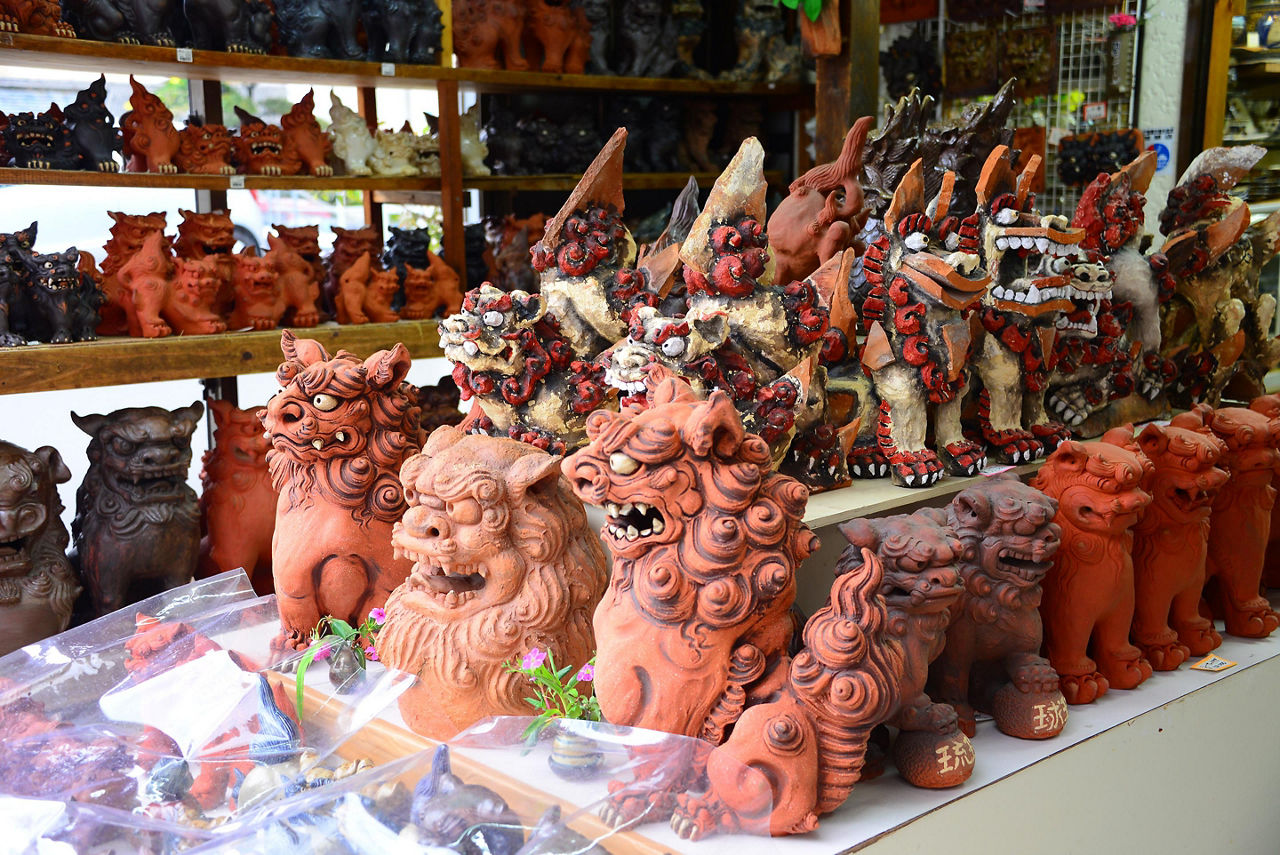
(304, 140)
(37, 17)
(210, 234)
(483, 29)
(562, 35)
(340, 430)
(1206, 261)
(503, 562)
(922, 589)
(431, 290)
(259, 293)
(353, 288)
(237, 501)
(298, 284)
(1241, 521)
(147, 279)
(189, 309)
(137, 524)
(261, 149)
(822, 213)
(1269, 406)
(150, 139)
(693, 631)
(348, 246)
(1171, 541)
(1089, 594)
(305, 240)
(992, 659)
(919, 341)
(381, 291)
(128, 233)
(37, 584)
(204, 149)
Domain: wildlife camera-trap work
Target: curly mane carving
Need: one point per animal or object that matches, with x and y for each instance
(511, 565)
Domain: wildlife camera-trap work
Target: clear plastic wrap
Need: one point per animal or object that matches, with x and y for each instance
(155, 727)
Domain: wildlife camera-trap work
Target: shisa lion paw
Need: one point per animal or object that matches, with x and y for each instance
(916, 468)
(1254, 619)
(1200, 640)
(1166, 656)
(1128, 673)
(1034, 677)
(626, 807)
(1051, 434)
(1083, 689)
(867, 461)
(1014, 446)
(964, 458)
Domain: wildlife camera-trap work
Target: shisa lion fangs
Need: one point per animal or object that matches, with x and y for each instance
(340, 430)
(693, 631)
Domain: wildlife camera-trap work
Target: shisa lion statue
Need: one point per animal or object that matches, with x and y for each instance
(340, 430)
(503, 560)
(693, 631)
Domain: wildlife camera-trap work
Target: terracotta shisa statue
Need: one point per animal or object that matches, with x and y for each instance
(693, 631)
(260, 147)
(304, 140)
(1269, 406)
(992, 659)
(298, 283)
(137, 525)
(823, 212)
(1241, 521)
(259, 297)
(431, 289)
(128, 232)
(485, 28)
(348, 246)
(921, 589)
(340, 430)
(305, 240)
(210, 234)
(562, 33)
(237, 501)
(204, 149)
(37, 584)
(503, 560)
(1089, 594)
(150, 139)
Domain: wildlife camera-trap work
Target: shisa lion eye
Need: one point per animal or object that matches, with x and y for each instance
(324, 403)
(916, 241)
(673, 347)
(492, 318)
(1007, 216)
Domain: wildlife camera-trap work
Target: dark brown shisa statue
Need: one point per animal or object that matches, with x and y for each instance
(137, 524)
(693, 631)
(992, 659)
(503, 560)
(340, 430)
(37, 584)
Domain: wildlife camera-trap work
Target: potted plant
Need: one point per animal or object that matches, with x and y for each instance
(347, 648)
(556, 695)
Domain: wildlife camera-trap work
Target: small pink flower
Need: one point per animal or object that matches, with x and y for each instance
(323, 652)
(1123, 20)
(378, 616)
(371, 654)
(534, 658)
(586, 673)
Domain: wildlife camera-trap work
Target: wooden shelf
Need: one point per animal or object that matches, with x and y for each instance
(630, 181)
(98, 57)
(118, 361)
(84, 178)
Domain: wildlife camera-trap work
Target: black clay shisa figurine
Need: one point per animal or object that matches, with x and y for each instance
(137, 524)
(94, 135)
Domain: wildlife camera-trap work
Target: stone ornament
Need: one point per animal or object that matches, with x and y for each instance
(992, 662)
(1171, 540)
(237, 501)
(503, 560)
(1240, 524)
(150, 139)
(922, 589)
(137, 524)
(1089, 594)
(692, 633)
(148, 279)
(37, 584)
(38, 17)
(210, 234)
(822, 214)
(340, 430)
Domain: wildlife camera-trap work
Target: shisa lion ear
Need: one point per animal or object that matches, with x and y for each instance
(387, 368)
(714, 426)
(303, 351)
(532, 471)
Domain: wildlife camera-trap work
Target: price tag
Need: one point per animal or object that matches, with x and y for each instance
(1095, 111)
(1213, 663)
(184, 55)
(388, 69)
(235, 182)
(995, 469)
(6, 39)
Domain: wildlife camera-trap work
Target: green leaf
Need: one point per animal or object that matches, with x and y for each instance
(812, 8)
(303, 664)
(341, 628)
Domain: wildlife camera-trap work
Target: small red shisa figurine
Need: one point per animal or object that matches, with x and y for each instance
(692, 633)
(1241, 521)
(921, 589)
(340, 430)
(150, 140)
(237, 502)
(1171, 541)
(1269, 406)
(503, 561)
(1089, 594)
(992, 659)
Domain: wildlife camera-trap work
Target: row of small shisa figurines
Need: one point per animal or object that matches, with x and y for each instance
(152, 285)
(975, 325)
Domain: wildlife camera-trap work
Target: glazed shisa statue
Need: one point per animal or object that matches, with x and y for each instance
(352, 142)
(921, 589)
(204, 149)
(991, 661)
(1089, 594)
(150, 139)
(340, 431)
(693, 631)
(1240, 524)
(37, 584)
(503, 560)
(237, 501)
(1208, 261)
(39, 140)
(1030, 259)
(137, 524)
(1170, 542)
(924, 279)
(823, 212)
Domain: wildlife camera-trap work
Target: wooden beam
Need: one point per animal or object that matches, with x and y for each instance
(1215, 108)
(454, 249)
(367, 107)
(847, 83)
